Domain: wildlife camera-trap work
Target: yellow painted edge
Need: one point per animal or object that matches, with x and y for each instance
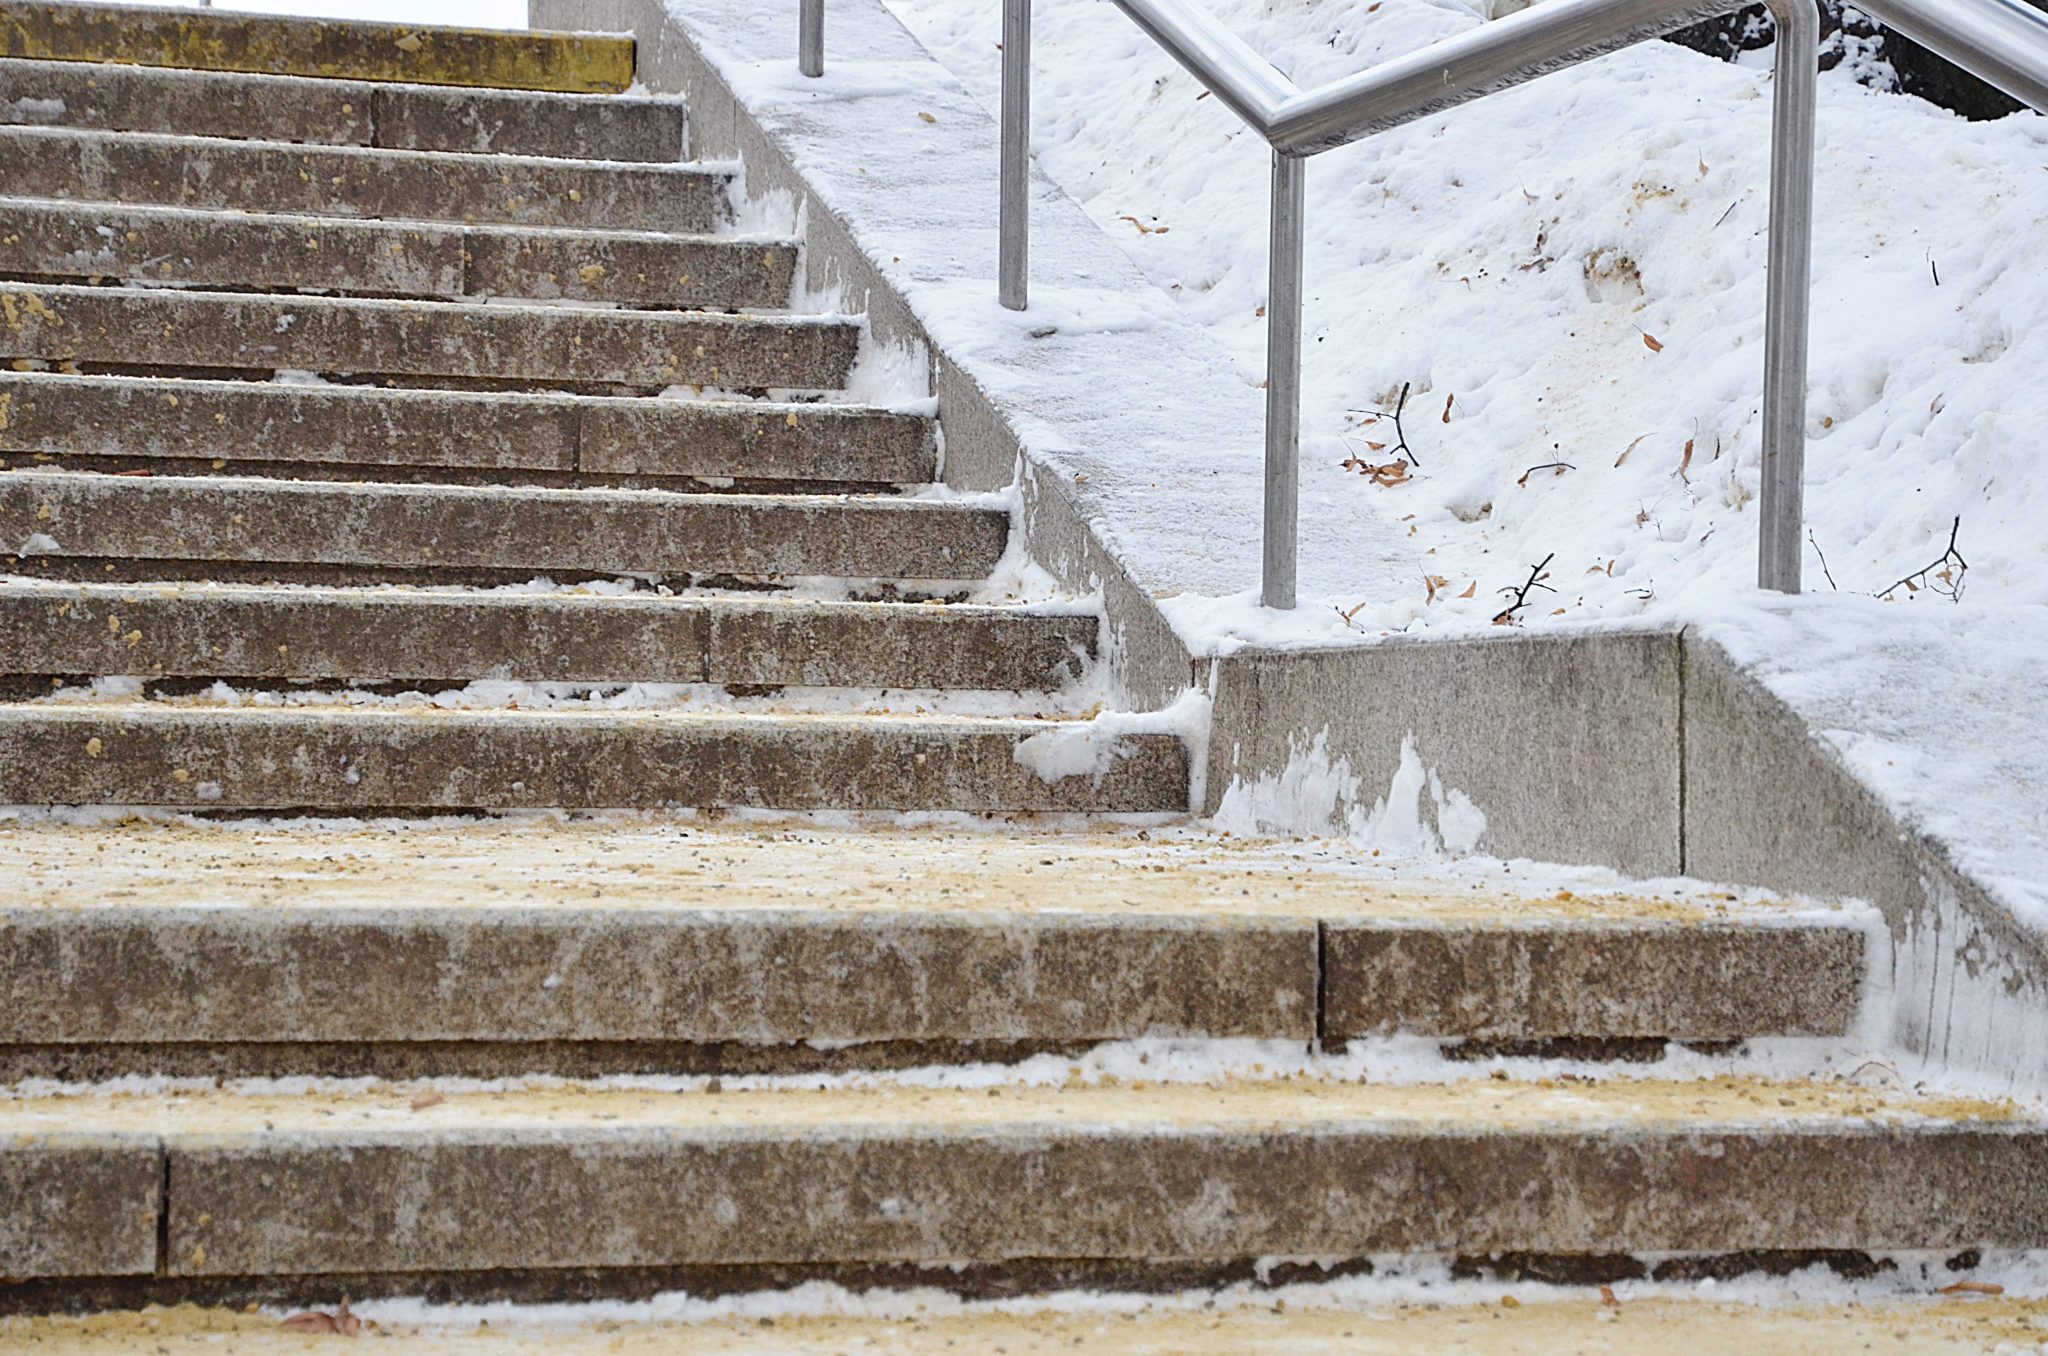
(558, 62)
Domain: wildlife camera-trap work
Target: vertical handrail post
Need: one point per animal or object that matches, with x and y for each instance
(810, 37)
(1787, 296)
(1283, 383)
(1014, 245)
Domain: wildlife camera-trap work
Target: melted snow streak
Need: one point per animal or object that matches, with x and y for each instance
(1513, 261)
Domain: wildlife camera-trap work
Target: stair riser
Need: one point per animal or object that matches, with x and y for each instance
(319, 334)
(106, 517)
(1695, 983)
(566, 971)
(151, 245)
(110, 98)
(341, 1202)
(198, 172)
(584, 973)
(205, 759)
(246, 425)
(292, 636)
(213, 40)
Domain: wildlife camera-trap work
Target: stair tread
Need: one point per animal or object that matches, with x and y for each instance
(793, 865)
(1404, 1319)
(222, 1118)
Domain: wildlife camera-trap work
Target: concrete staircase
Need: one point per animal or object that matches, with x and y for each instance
(184, 250)
(288, 415)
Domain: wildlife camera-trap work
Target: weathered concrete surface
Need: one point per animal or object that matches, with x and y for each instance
(449, 339)
(1568, 745)
(646, 268)
(99, 886)
(245, 425)
(343, 1184)
(57, 239)
(112, 98)
(517, 122)
(78, 1203)
(210, 631)
(580, 62)
(1674, 981)
(356, 181)
(583, 971)
(617, 531)
(354, 759)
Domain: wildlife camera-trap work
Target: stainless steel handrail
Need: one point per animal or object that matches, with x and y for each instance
(2002, 41)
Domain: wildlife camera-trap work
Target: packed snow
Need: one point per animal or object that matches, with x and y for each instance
(1567, 278)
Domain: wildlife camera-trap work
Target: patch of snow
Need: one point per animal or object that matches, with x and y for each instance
(1419, 817)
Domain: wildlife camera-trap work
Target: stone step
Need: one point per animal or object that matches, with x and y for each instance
(55, 239)
(228, 943)
(1411, 1315)
(109, 98)
(340, 757)
(214, 40)
(52, 515)
(142, 168)
(406, 635)
(261, 332)
(336, 1183)
(184, 426)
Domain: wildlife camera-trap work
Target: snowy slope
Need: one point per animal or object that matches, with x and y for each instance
(1572, 272)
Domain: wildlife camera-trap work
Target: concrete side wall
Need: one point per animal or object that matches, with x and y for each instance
(1568, 745)
(1767, 803)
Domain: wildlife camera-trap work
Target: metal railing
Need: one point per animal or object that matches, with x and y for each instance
(2002, 41)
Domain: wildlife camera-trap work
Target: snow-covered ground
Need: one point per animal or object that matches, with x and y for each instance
(1572, 272)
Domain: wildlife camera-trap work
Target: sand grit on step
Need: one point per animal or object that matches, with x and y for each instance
(1251, 1323)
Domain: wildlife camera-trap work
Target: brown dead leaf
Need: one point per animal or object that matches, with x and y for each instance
(1260, 312)
(1510, 1302)
(1650, 343)
(1447, 407)
(926, 116)
(1143, 229)
(427, 1099)
(1972, 1288)
(1606, 1291)
(1470, 589)
(1431, 583)
(1685, 461)
(1626, 450)
(1386, 474)
(341, 1322)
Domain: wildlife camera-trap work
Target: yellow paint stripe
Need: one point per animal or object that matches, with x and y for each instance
(577, 63)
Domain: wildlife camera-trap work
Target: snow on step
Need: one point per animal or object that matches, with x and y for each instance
(796, 932)
(350, 758)
(53, 238)
(250, 425)
(324, 1182)
(356, 181)
(213, 40)
(185, 329)
(112, 98)
(202, 630)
